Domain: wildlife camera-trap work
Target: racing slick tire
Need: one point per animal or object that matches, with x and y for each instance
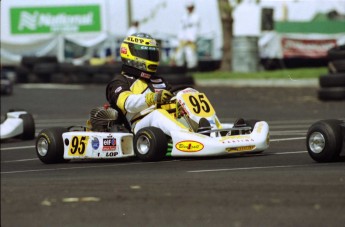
(28, 127)
(49, 145)
(324, 140)
(150, 144)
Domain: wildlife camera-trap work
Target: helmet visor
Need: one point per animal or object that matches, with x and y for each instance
(150, 53)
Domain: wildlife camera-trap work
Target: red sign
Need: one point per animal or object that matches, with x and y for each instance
(310, 48)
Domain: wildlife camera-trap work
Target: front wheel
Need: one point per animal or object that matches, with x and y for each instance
(324, 140)
(150, 144)
(49, 145)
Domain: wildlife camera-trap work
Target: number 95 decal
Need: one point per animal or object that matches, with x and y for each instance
(198, 104)
(78, 145)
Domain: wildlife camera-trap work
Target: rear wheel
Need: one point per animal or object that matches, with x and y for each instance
(150, 144)
(324, 140)
(49, 145)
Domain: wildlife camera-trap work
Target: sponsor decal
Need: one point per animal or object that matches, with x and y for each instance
(189, 146)
(145, 75)
(159, 86)
(109, 144)
(240, 149)
(111, 154)
(118, 89)
(236, 139)
(95, 143)
(183, 109)
(312, 48)
(123, 50)
(50, 19)
(135, 40)
(147, 134)
(46, 136)
(188, 90)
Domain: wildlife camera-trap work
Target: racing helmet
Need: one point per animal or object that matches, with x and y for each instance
(140, 51)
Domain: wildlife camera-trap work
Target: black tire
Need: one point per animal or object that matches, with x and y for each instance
(150, 144)
(337, 66)
(67, 68)
(333, 93)
(22, 74)
(49, 145)
(337, 53)
(332, 80)
(324, 140)
(44, 71)
(28, 127)
(29, 61)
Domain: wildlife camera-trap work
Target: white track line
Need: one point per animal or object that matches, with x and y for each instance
(291, 152)
(21, 160)
(16, 148)
(247, 168)
(287, 139)
(53, 86)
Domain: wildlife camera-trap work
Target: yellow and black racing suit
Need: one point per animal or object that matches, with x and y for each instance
(127, 92)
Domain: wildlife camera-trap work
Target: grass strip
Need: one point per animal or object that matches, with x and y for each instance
(298, 73)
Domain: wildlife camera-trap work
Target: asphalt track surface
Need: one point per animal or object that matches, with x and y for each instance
(281, 187)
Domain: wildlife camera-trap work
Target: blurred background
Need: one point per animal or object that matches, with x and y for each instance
(67, 37)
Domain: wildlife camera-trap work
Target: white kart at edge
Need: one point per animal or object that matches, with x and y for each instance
(18, 123)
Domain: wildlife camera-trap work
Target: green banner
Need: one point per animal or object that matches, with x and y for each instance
(52, 19)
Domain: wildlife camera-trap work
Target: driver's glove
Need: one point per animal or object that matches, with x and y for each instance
(159, 97)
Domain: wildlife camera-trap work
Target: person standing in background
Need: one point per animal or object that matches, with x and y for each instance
(187, 49)
(134, 28)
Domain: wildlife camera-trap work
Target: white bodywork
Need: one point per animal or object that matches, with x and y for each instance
(13, 125)
(97, 145)
(195, 144)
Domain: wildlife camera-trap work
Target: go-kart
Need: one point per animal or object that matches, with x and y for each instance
(18, 123)
(325, 140)
(105, 136)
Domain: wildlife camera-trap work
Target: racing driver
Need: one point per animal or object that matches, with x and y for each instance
(137, 87)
